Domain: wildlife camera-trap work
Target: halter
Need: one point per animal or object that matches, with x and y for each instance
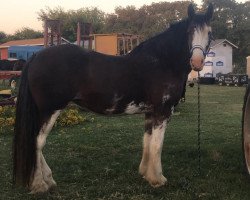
(204, 52)
(199, 47)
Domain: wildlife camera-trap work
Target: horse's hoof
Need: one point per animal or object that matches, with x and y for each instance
(157, 182)
(52, 184)
(161, 182)
(39, 188)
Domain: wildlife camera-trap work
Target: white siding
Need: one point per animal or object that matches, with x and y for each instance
(223, 56)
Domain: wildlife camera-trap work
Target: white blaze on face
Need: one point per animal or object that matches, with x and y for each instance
(200, 39)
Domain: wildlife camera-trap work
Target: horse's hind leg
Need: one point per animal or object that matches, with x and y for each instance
(43, 179)
(47, 173)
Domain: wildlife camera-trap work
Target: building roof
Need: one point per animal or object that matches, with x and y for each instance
(221, 41)
(116, 34)
(29, 42)
(37, 42)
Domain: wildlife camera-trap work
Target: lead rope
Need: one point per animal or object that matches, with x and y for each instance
(199, 127)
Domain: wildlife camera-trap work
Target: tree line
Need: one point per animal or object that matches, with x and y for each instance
(231, 21)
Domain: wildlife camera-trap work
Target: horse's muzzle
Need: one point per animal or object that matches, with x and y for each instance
(197, 63)
(197, 59)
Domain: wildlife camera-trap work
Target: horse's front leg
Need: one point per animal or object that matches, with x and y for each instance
(146, 142)
(150, 166)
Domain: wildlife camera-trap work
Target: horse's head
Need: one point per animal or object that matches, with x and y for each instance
(200, 36)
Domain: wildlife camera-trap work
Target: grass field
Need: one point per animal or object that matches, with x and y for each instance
(99, 159)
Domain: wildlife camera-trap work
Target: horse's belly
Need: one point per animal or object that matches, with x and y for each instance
(133, 108)
(115, 105)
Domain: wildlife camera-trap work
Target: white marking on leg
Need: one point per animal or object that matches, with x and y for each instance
(38, 184)
(47, 173)
(145, 155)
(154, 171)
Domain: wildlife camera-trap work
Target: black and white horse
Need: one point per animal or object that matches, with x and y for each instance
(148, 80)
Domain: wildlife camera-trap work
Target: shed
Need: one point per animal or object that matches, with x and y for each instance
(22, 52)
(23, 49)
(219, 59)
(4, 54)
(115, 44)
(111, 44)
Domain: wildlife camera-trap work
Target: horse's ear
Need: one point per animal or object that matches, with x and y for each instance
(209, 13)
(191, 11)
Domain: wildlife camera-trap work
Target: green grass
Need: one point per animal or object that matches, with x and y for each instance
(100, 159)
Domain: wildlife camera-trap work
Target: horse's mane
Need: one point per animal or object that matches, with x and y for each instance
(172, 37)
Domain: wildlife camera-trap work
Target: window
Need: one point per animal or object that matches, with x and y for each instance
(211, 54)
(209, 63)
(219, 63)
(13, 55)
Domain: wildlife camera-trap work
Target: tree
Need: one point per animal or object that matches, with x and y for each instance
(232, 21)
(26, 33)
(70, 19)
(3, 37)
(147, 20)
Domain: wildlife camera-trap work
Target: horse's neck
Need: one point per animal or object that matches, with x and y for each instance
(172, 42)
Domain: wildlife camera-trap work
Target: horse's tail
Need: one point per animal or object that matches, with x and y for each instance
(27, 125)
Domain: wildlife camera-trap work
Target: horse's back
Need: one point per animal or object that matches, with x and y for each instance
(56, 73)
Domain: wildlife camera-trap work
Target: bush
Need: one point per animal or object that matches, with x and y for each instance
(7, 116)
(68, 117)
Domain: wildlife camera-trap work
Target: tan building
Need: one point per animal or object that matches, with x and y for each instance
(248, 66)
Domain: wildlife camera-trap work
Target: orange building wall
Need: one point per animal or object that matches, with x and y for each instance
(106, 44)
(4, 53)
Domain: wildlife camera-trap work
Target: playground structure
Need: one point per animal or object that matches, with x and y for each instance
(52, 32)
(111, 44)
(84, 30)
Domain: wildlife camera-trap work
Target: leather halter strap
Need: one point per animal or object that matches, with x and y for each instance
(198, 47)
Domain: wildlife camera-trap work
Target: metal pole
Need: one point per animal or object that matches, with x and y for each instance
(199, 127)
(78, 34)
(45, 33)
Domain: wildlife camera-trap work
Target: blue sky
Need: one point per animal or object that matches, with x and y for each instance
(16, 14)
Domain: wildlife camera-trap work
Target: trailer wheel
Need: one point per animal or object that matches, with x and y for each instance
(246, 131)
